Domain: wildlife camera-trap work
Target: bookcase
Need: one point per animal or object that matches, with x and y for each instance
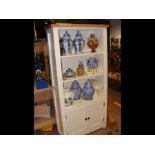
(43, 96)
(83, 116)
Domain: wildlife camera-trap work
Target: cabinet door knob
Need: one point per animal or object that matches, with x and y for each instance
(88, 118)
(85, 118)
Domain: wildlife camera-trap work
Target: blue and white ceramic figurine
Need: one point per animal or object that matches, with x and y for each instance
(88, 90)
(92, 64)
(78, 43)
(76, 89)
(67, 44)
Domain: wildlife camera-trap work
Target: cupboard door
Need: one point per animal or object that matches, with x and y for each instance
(76, 121)
(95, 116)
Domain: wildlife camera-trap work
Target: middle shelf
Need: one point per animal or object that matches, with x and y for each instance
(86, 75)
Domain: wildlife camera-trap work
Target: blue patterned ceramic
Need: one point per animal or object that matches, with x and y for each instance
(78, 43)
(92, 62)
(88, 90)
(76, 89)
(67, 43)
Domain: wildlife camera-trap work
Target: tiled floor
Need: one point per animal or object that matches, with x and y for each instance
(114, 110)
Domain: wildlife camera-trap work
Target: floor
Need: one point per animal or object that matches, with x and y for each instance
(114, 110)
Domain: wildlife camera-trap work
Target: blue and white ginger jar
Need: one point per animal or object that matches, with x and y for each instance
(76, 89)
(78, 43)
(67, 44)
(88, 90)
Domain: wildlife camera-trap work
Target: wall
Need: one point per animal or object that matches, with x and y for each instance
(115, 28)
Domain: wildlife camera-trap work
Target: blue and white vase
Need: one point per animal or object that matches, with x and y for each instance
(76, 89)
(88, 90)
(78, 43)
(92, 64)
(67, 44)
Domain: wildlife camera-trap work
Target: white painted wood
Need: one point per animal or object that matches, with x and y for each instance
(95, 114)
(76, 122)
(71, 119)
(81, 55)
(52, 62)
(105, 64)
(59, 78)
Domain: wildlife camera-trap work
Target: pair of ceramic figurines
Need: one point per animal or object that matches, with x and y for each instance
(78, 43)
(74, 93)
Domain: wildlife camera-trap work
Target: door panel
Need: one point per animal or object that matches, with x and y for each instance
(95, 115)
(76, 122)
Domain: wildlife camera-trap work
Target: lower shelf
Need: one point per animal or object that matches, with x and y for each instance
(41, 122)
(78, 103)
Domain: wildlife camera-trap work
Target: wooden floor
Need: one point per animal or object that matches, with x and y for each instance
(114, 99)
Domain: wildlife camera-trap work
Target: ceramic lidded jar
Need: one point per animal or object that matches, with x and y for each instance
(76, 89)
(78, 43)
(67, 43)
(80, 68)
(92, 64)
(88, 90)
(93, 42)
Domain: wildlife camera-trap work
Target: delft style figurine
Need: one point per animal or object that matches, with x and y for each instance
(92, 64)
(88, 90)
(78, 43)
(67, 43)
(76, 89)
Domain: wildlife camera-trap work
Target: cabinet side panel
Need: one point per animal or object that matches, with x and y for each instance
(105, 72)
(59, 78)
(54, 80)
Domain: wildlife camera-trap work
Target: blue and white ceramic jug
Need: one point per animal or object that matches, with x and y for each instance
(88, 90)
(76, 89)
(78, 43)
(67, 43)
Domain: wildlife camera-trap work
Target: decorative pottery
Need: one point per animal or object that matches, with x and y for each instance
(67, 44)
(76, 89)
(80, 68)
(69, 73)
(92, 42)
(78, 43)
(98, 86)
(92, 64)
(69, 96)
(88, 90)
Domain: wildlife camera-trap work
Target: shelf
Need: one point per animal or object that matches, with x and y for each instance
(41, 122)
(78, 103)
(42, 90)
(79, 55)
(68, 79)
(42, 94)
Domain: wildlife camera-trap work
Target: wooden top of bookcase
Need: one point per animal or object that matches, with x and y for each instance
(77, 25)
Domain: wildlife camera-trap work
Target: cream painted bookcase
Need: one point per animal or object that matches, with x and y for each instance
(83, 116)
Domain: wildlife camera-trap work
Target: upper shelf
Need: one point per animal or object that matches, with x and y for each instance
(77, 25)
(79, 55)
